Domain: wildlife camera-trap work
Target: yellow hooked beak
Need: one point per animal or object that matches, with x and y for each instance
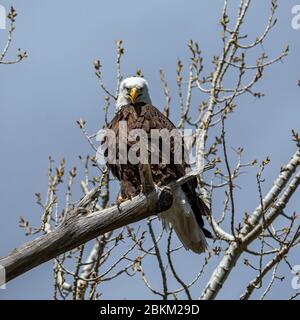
(133, 95)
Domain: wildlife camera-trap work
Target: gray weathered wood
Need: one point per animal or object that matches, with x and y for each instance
(82, 226)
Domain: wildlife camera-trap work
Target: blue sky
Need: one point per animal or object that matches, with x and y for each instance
(42, 98)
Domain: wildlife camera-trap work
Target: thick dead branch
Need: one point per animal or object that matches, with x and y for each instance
(82, 226)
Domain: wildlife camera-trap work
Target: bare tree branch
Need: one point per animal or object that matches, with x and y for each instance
(83, 225)
(235, 250)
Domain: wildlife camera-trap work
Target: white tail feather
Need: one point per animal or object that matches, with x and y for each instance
(184, 222)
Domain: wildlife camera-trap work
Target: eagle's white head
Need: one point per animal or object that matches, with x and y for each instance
(133, 90)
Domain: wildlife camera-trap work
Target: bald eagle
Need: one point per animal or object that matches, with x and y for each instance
(185, 215)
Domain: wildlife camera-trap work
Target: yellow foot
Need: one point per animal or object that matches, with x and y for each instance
(121, 199)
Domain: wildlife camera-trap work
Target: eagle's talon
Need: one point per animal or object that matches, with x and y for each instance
(121, 199)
